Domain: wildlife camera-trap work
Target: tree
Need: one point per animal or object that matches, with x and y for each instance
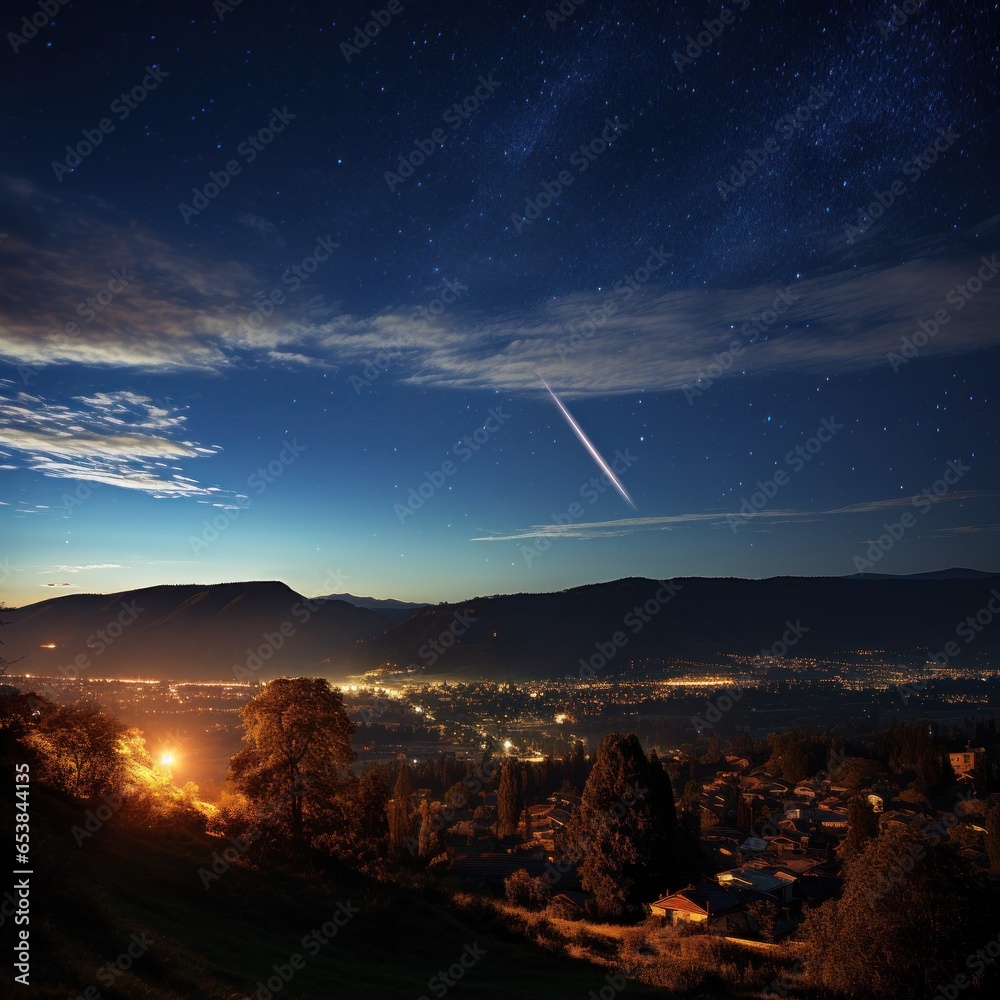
(624, 835)
(298, 749)
(862, 826)
(523, 890)
(764, 917)
(508, 800)
(360, 838)
(398, 810)
(993, 838)
(903, 924)
(80, 750)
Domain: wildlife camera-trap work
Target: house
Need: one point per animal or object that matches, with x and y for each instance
(753, 882)
(876, 802)
(708, 904)
(969, 765)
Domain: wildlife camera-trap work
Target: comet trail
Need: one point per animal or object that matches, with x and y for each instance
(585, 441)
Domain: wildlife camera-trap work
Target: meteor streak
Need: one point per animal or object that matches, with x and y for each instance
(585, 441)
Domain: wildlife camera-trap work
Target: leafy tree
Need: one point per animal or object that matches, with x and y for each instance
(904, 922)
(297, 750)
(523, 890)
(624, 835)
(764, 917)
(360, 837)
(80, 750)
(508, 800)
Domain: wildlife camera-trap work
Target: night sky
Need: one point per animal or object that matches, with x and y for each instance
(676, 226)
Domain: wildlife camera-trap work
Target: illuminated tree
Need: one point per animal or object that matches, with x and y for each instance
(80, 750)
(297, 751)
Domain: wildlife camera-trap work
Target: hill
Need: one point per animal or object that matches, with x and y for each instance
(187, 632)
(395, 611)
(525, 635)
(122, 888)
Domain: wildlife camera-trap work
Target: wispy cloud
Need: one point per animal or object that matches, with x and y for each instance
(89, 566)
(763, 519)
(186, 311)
(119, 439)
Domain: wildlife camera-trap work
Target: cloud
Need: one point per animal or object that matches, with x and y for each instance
(58, 584)
(89, 566)
(118, 439)
(763, 519)
(185, 311)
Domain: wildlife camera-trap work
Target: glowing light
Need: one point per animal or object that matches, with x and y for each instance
(166, 759)
(585, 441)
(48, 645)
(507, 744)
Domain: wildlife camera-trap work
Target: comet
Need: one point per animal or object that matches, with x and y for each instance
(585, 441)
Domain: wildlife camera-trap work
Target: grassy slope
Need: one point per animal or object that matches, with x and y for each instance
(87, 902)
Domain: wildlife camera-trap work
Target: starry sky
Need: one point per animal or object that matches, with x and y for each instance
(280, 287)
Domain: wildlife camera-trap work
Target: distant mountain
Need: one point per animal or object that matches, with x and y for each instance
(956, 573)
(187, 632)
(524, 635)
(395, 611)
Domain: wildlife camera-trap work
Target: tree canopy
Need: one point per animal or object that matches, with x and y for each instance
(297, 751)
(623, 837)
